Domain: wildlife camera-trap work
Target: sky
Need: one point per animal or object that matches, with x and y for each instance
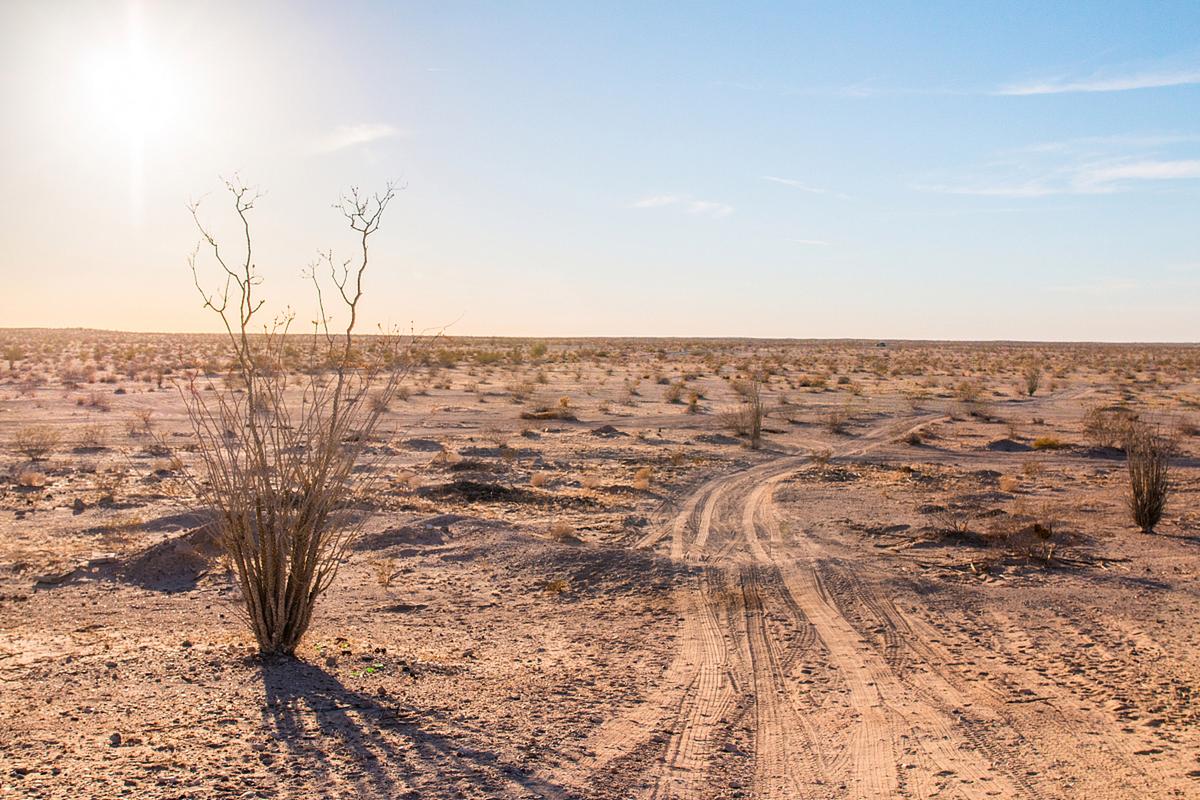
(927, 170)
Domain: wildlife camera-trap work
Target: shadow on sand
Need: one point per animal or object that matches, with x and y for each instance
(374, 746)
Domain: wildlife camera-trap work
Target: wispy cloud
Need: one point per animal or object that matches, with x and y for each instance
(814, 242)
(1081, 166)
(794, 184)
(345, 136)
(1141, 171)
(657, 200)
(804, 187)
(706, 208)
(1090, 178)
(1104, 83)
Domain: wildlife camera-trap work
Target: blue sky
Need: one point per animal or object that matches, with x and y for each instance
(923, 170)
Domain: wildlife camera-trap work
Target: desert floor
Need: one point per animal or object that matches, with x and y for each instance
(925, 583)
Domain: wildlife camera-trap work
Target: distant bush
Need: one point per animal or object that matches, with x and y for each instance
(1109, 426)
(1148, 454)
(36, 442)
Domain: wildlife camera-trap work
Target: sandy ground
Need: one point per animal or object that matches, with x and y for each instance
(631, 603)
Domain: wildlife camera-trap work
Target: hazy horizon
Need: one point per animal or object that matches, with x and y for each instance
(931, 173)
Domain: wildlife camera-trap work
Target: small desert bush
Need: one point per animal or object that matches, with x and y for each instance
(97, 402)
(93, 437)
(385, 571)
(641, 478)
(31, 479)
(539, 479)
(747, 419)
(1148, 453)
(1048, 443)
(837, 418)
(563, 532)
(36, 442)
(1109, 426)
(1032, 378)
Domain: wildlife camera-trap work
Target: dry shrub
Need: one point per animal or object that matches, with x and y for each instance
(31, 479)
(556, 586)
(278, 451)
(563, 532)
(1109, 426)
(1009, 484)
(544, 410)
(497, 437)
(1032, 378)
(1027, 532)
(385, 571)
(747, 419)
(641, 478)
(953, 521)
(108, 482)
(36, 442)
(837, 418)
(93, 437)
(539, 479)
(1148, 453)
(406, 479)
(1048, 443)
(98, 402)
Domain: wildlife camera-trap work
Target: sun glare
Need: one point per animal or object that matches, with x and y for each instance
(129, 92)
(131, 101)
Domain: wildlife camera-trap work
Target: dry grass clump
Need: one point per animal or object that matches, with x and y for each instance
(1148, 454)
(747, 419)
(544, 410)
(385, 571)
(31, 479)
(563, 533)
(641, 478)
(1048, 443)
(837, 418)
(92, 437)
(1109, 426)
(36, 442)
(539, 479)
(1028, 532)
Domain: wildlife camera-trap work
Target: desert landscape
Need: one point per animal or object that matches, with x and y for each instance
(599, 401)
(580, 577)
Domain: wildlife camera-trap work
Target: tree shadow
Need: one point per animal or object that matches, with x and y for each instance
(385, 748)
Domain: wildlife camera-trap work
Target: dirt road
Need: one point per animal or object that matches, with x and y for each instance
(804, 673)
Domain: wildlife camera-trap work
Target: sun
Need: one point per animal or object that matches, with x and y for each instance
(129, 92)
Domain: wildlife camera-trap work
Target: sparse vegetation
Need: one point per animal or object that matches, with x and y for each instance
(278, 477)
(1148, 453)
(36, 442)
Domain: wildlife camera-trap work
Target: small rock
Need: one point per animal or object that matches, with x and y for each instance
(114, 740)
